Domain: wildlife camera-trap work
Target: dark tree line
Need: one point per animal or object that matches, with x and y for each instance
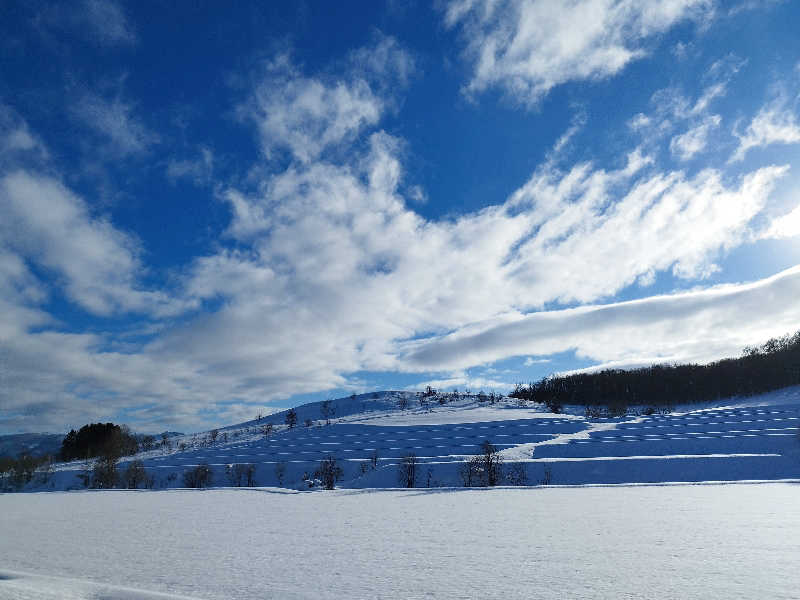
(99, 439)
(760, 369)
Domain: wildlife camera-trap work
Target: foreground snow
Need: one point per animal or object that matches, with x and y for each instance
(695, 541)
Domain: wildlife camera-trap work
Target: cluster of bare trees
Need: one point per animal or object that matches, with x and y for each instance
(240, 475)
(198, 477)
(484, 469)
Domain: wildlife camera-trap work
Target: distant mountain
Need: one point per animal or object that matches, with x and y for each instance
(33, 443)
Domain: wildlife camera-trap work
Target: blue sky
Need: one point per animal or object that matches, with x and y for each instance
(211, 210)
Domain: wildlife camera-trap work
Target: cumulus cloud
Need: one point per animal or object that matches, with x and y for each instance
(307, 115)
(775, 123)
(96, 264)
(528, 48)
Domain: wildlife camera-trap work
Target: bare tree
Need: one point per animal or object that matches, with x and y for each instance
(280, 472)
(291, 418)
(329, 472)
(267, 430)
(328, 410)
(213, 435)
(104, 472)
(492, 464)
(470, 471)
(240, 474)
(548, 476)
(518, 474)
(136, 475)
(407, 471)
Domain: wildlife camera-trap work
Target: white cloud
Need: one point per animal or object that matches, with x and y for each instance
(108, 22)
(96, 264)
(326, 272)
(672, 109)
(463, 382)
(774, 124)
(690, 143)
(383, 63)
(308, 115)
(198, 170)
(16, 139)
(527, 48)
(114, 120)
(530, 361)
(785, 226)
(693, 326)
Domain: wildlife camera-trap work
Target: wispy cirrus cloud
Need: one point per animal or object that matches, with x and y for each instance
(528, 48)
(686, 145)
(108, 22)
(115, 121)
(775, 123)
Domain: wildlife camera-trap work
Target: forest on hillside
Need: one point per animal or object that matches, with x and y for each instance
(771, 366)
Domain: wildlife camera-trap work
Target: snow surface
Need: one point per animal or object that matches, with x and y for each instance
(687, 541)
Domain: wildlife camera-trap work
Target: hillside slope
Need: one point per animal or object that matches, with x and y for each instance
(752, 439)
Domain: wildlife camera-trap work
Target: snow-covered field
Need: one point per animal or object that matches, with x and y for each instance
(747, 439)
(687, 541)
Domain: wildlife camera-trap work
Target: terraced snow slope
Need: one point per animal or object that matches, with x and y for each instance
(756, 439)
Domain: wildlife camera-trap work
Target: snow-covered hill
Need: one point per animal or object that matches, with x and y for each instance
(369, 434)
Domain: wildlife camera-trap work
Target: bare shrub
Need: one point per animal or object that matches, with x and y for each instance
(329, 472)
